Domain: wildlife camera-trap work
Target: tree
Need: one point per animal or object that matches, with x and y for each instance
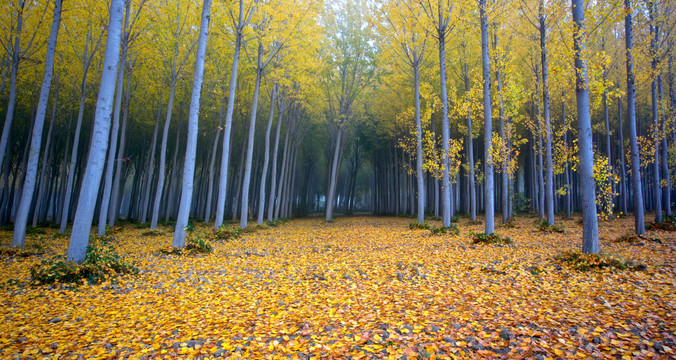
(590, 236)
(84, 214)
(489, 223)
(19, 236)
(639, 223)
(193, 117)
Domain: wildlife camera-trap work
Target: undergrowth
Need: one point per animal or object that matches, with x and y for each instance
(100, 263)
(667, 224)
(445, 230)
(544, 226)
(632, 238)
(419, 226)
(583, 262)
(493, 239)
(193, 246)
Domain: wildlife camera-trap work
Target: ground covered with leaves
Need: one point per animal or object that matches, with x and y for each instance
(362, 287)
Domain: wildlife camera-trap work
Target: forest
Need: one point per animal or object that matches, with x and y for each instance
(337, 179)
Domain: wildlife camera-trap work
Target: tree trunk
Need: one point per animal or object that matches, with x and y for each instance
(112, 149)
(418, 140)
(19, 236)
(244, 214)
(222, 184)
(445, 124)
(266, 157)
(193, 117)
(333, 178)
(273, 176)
(488, 124)
(504, 201)
(549, 185)
(150, 169)
(590, 237)
(654, 41)
(631, 114)
(99, 143)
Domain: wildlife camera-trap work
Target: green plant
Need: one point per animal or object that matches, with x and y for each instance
(509, 224)
(544, 226)
(226, 233)
(494, 239)
(455, 219)
(17, 252)
(193, 246)
(667, 224)
(141, 225)
(190, 227)
(583, 262)
(632, 238)
(476, 222)
(100, 262)
(451, 230)
(419, 226)
(116, 229)
(521, 203)
(154, 232)
(35, 230)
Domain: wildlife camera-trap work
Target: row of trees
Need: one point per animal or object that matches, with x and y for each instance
(361, 82)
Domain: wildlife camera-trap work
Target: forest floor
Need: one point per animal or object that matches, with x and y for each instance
(365, 287)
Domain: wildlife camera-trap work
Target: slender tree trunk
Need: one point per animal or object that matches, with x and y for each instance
(222, 185)
(631, 114)
(567, 200)
(46, 158)
(150, 169)
(623, 176)
(418, 139)
(244, 215)
(273, 176)
(590, 237)
(654, 41)
(112, 149)
(118, 183)
(488, 124)
(664, 153)
(173, 182)
(19, 236)
(163, 159)
(445, 124)
(504, 201)
(193, 117)
(283, 170)
(266, 157)
(334, 176)
(92, 177)
(14, 69)
(549, 185)
(212, 163)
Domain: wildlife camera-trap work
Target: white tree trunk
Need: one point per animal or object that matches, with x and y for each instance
(19, 237)
(639, 223)
(244, 209)
(590, 234)
(488, 125)
(149, 171)
(163, 160)
(273, 176)
(11, 103)
(84, 214)
(266, 157)
(193, 117)
(418, 141)
(112, 149)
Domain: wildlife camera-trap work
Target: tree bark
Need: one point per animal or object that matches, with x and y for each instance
(97, 151)
(590, 237)
(639, 223)
(193, 117)
(19, 236)
(489, 223)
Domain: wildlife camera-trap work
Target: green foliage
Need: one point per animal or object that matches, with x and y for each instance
(277, 222)
(442, 230)
(544, 226)
(667, 224)
(100, 263)
(35, 230)
(583, 262)
(141, 225)
(521, 203)
(116, 229)
(18, 252)
(509, 224)
(226, 233)
(475, 222)
(455, 219)
(193, 246)
(632, 238)
(419, 226)
(191, 227)
(493, 239)
(154, 232)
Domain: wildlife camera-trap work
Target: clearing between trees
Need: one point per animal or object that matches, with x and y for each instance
(365, 287)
